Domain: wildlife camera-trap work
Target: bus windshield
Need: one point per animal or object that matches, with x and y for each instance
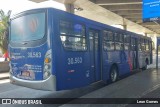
(29, 27)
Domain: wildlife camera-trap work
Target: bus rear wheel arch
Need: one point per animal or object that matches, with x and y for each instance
(113, 75)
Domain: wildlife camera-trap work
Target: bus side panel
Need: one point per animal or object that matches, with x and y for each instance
(70, 73)
(120, 58)
(107, 62)
(124, 68)
(128, 62)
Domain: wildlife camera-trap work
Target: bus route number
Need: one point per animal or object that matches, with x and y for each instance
(34, 54)
(76, 60)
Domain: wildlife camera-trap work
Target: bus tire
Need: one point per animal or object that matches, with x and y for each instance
(113, 74)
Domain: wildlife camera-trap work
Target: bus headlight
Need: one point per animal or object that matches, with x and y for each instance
(46, 74)
(47, 65)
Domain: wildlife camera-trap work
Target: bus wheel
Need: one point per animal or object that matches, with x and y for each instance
(113, 74)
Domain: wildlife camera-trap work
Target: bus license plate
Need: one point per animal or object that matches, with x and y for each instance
(25, 73)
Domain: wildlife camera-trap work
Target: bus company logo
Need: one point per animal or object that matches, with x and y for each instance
(33, 24)
(6, 101)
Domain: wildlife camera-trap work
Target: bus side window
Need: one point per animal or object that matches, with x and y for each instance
(147, 45)
(108, 43)
(143, 44)
(73, 36)
(126, 42)
(139, 45)
(119, 39)
(133, 44)
(149, 42)
(116, 39)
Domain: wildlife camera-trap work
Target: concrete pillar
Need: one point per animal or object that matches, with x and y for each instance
(69, 8)
(155, 40)
(145, 34)
(124, 24)
(124, 27)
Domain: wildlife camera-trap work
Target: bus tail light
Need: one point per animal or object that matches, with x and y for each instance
(47, 65)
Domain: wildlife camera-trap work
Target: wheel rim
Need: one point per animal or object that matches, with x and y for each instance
(113, 75)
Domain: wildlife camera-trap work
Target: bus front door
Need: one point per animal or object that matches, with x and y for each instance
(95, 55)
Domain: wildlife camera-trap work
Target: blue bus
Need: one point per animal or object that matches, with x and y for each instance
(52, 49)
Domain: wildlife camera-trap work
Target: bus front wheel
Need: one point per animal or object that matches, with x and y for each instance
(113, 74)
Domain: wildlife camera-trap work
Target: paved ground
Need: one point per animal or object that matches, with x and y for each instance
(4, 75)
(142, 84)
(8, 90)
(4, 66)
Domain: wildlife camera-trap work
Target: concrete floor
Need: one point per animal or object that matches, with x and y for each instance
(139, 85)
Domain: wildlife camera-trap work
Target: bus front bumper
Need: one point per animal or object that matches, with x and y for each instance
(48, 84)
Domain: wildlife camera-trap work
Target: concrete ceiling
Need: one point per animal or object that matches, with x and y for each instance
(129, 9)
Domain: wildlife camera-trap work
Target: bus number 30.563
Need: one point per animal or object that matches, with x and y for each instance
(76, 60)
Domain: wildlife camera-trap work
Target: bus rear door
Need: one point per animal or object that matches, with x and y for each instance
(134, 53)
(94, 41)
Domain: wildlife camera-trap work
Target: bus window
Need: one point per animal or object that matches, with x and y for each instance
(143, 44)
(126, 42)
(108, 43)
(147, 44)
(73, 36)
(93, 36)
(121, 38)
(96, 41)
(139, 45)
(150, 45)
(119, 41)
(133, 44)
(29, 27)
